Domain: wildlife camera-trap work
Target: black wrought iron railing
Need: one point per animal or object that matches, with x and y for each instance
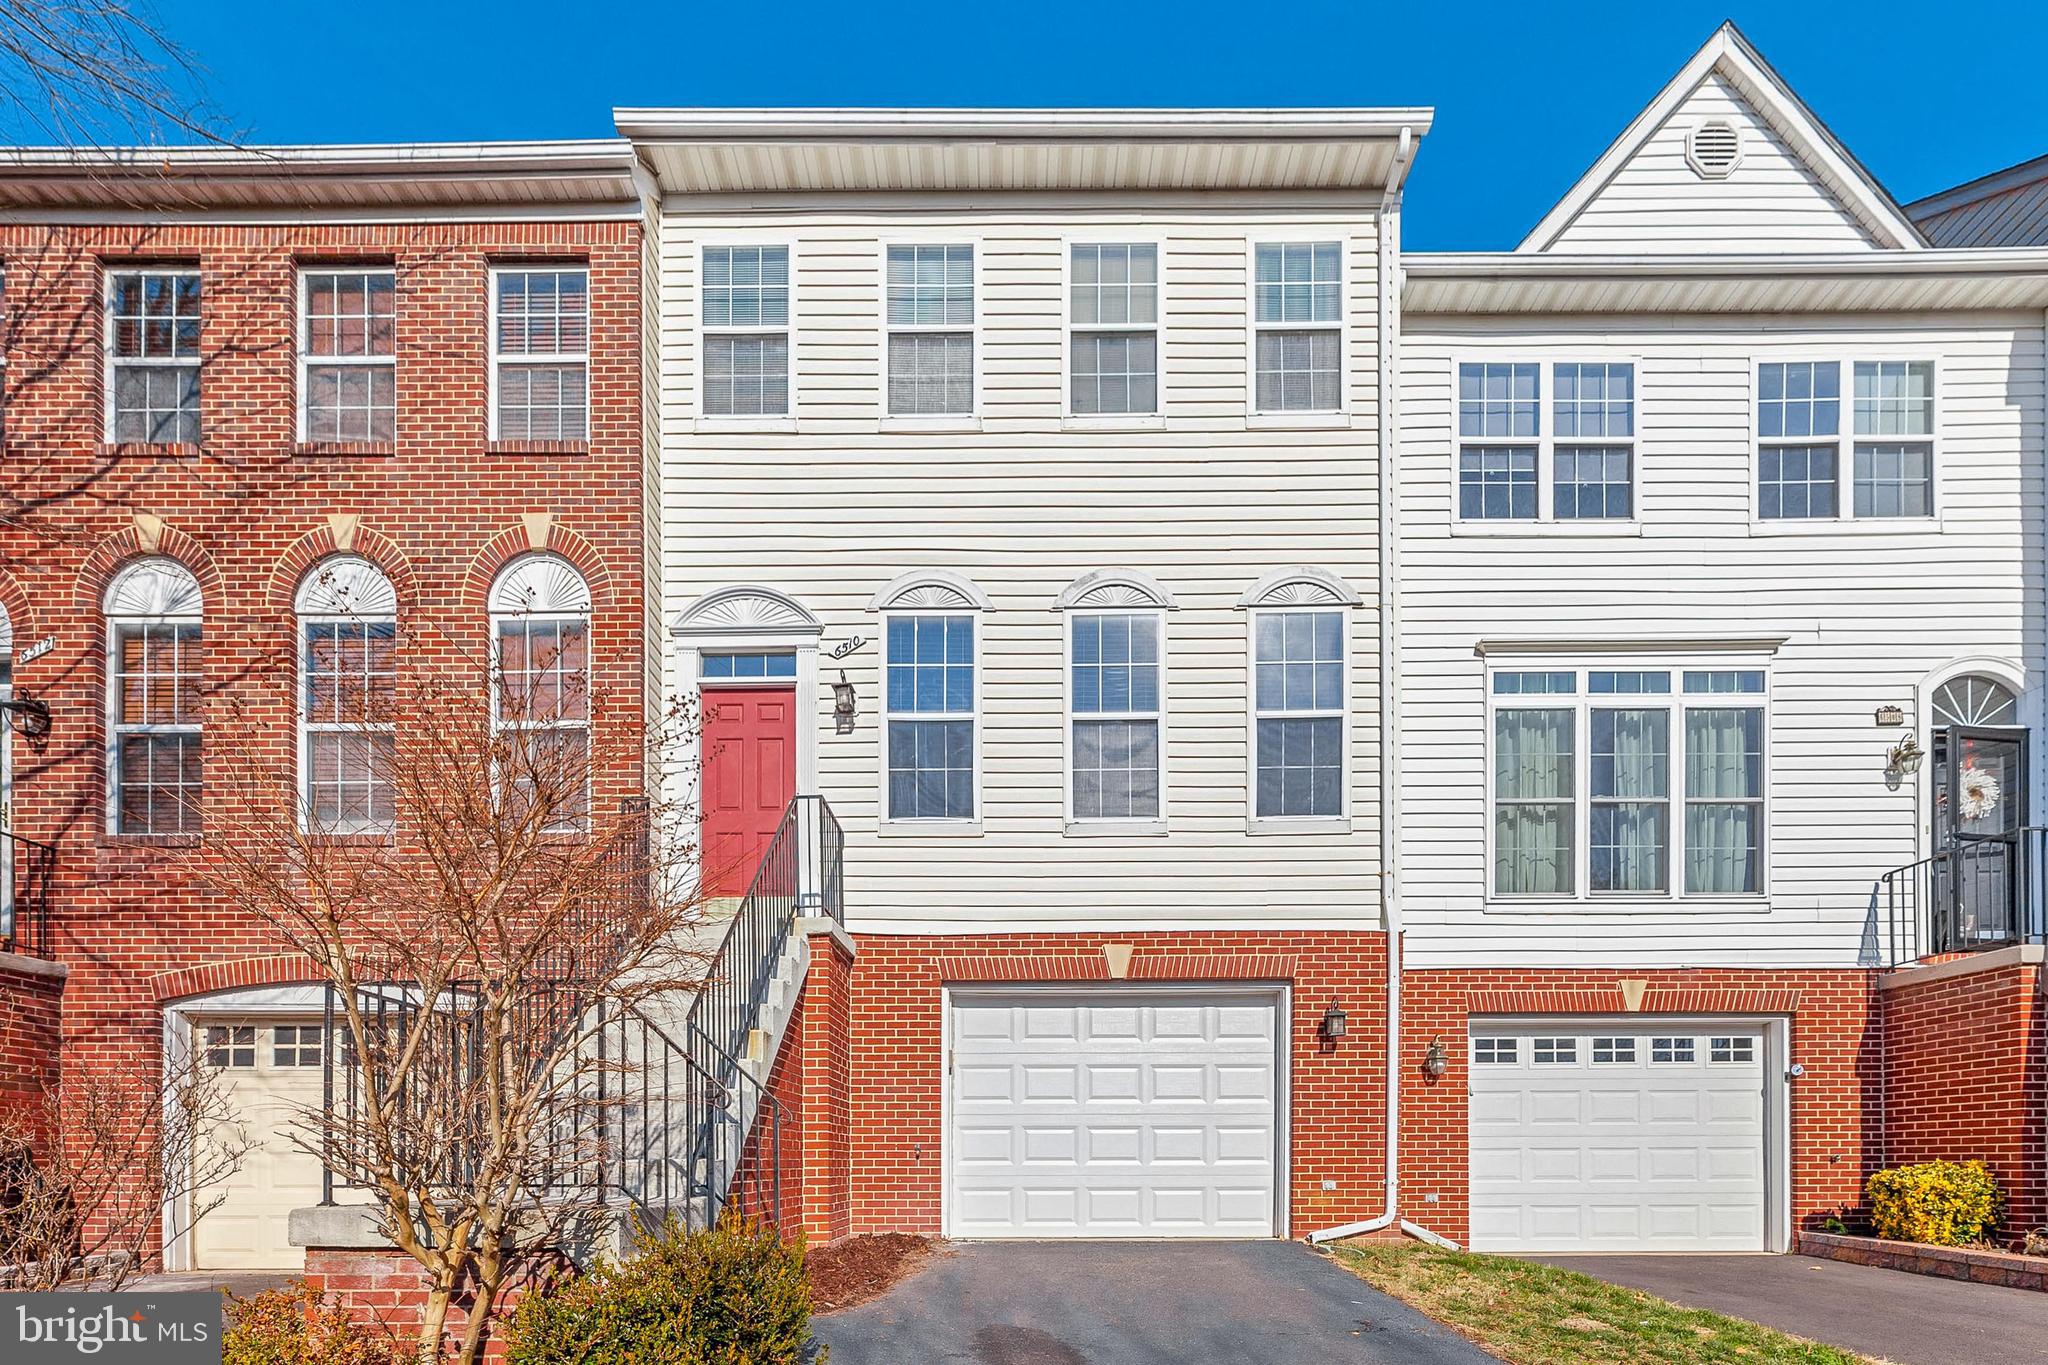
(27, 871)
(1983, 892)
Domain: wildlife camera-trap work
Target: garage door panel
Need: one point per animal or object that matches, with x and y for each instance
(1168, 1127)
(268, 1081)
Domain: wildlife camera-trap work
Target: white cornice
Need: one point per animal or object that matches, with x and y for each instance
(1018, 125)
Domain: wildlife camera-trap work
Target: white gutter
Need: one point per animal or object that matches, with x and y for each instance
(612, 155)
(1389, 465)
(1034, 125)
(1503, 265)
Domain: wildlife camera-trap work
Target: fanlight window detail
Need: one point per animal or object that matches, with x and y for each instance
(1974, 699)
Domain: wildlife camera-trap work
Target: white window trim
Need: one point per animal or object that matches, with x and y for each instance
(1255, 823)
(1076, 825)
(1845, 521)
(1674, 896)
(1111, 421)
(1546, 521)
(1304, 417)
(307, 360)
(886, 823)
(704, 420)
(307, 727)
(112, 362)
(586, 615)
(116, 729)
(498, 360)
(938, 421)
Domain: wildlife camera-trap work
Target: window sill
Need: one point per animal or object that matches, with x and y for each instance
(1133, 421)
(167, 450)
(1298, 421)
(537, 448)
(1115, 829)
(1848, 526)
(330, 448)
(740, 426)
(940, 424)
(1264, 825)
(1626, 905)
(1506, 527)
(929, 829)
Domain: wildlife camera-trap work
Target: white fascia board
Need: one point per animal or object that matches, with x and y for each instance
(1018, 125)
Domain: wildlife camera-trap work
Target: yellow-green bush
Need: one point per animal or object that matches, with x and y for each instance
(1944, 1203)
(296, 1326)
(736, 1295)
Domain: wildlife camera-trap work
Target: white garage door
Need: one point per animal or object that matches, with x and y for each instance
(1616, 1137)
(1114, 1113)
(271, 1068)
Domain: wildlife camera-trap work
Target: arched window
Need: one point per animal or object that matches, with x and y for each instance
(154, 673)
(540, 696)
(348, 635)
(1116, 698)
(1300, 679)
(932, 697)
(1974, 699)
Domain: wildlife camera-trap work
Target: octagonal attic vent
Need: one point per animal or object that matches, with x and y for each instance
(1713, 149)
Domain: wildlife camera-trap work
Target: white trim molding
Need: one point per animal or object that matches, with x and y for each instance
(1107, 589)
(748, 610)
(1300, 585)
(931, 590)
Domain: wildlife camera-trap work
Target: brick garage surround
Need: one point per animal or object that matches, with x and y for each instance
(896, 1063)
(1834, 1036)
(250, 509)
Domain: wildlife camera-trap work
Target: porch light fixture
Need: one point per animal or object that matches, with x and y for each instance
(1905, 758)
(1333, 1025)
(1435, 1061)
(842, 705)
(29, 716)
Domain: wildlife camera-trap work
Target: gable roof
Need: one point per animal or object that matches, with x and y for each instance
(2004, 208)
(1729, 56)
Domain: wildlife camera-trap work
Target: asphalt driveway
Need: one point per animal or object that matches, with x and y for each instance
(1911, 1319)
(1137, 1303)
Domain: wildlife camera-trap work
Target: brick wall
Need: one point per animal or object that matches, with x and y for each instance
(386, 1290)
(1966, 1078)
(31, 1014)
(1337, 1096)
(249, 510)
(825, 1043)
(1834, 1036)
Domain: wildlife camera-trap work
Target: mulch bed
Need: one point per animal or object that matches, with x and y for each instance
(853, 1270)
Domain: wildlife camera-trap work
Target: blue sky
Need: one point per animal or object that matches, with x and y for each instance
(1527, 95)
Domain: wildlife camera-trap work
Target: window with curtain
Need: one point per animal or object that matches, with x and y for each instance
(540, 636)
(1114, 328)
(348, 633)
(1586, 764)
(540, 353)
(930, 313)
(1298, 712)
(1115, 691)
(1298, 314)
(153, 357)
(746, 331)
(348, 347)
(154, 678)
(930, 716)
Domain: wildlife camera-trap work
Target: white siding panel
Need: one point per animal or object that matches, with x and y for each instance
(1771, 202)
(1868, 612)
(842, 504)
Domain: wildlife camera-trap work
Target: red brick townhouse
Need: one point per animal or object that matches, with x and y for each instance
(366, 405)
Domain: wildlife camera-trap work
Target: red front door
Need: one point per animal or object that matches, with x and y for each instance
(749, 778)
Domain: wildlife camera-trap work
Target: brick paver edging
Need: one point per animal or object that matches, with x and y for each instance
(1952, 1263)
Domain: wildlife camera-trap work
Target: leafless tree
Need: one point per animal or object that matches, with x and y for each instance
(91, 72)
(486, 897)
(136, 1140)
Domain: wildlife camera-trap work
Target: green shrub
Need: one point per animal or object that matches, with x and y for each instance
(296, 1326)
(1945, 1203)
(736, 1295)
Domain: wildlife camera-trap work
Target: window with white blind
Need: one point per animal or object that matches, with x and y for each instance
(155, 674)
(1811, 466)
(1114, 699)
(1637, 781)
(1297, 317)
(1113, 329)
(348, 355)
(540, 353)
(1298, 713)
(348, 634)
(746, 331)
(153, 365)
(931, 328)
(540, 641)
(1527, 453)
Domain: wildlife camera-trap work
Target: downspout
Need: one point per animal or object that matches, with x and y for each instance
(1389, 467)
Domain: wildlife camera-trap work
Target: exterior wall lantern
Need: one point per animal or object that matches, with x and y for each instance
(29, 716)
(1905, 758)
(1435, 1061)
(842, 705)
(1333, 1025)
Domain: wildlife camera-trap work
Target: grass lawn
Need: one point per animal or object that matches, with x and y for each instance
(1537, 1315)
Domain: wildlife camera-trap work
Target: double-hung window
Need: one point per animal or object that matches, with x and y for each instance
(540, 353)
(1113, 337)
(154, 676)
(1115, 668)
(746, 331)
(348, 632)
(1801, 461)
(153, 357)
(930, 316)
(1297, 322)
(540, 640)
(348, 366)
(931, 716)
(1627, 782)
(1521, 458)
(1298, 713)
